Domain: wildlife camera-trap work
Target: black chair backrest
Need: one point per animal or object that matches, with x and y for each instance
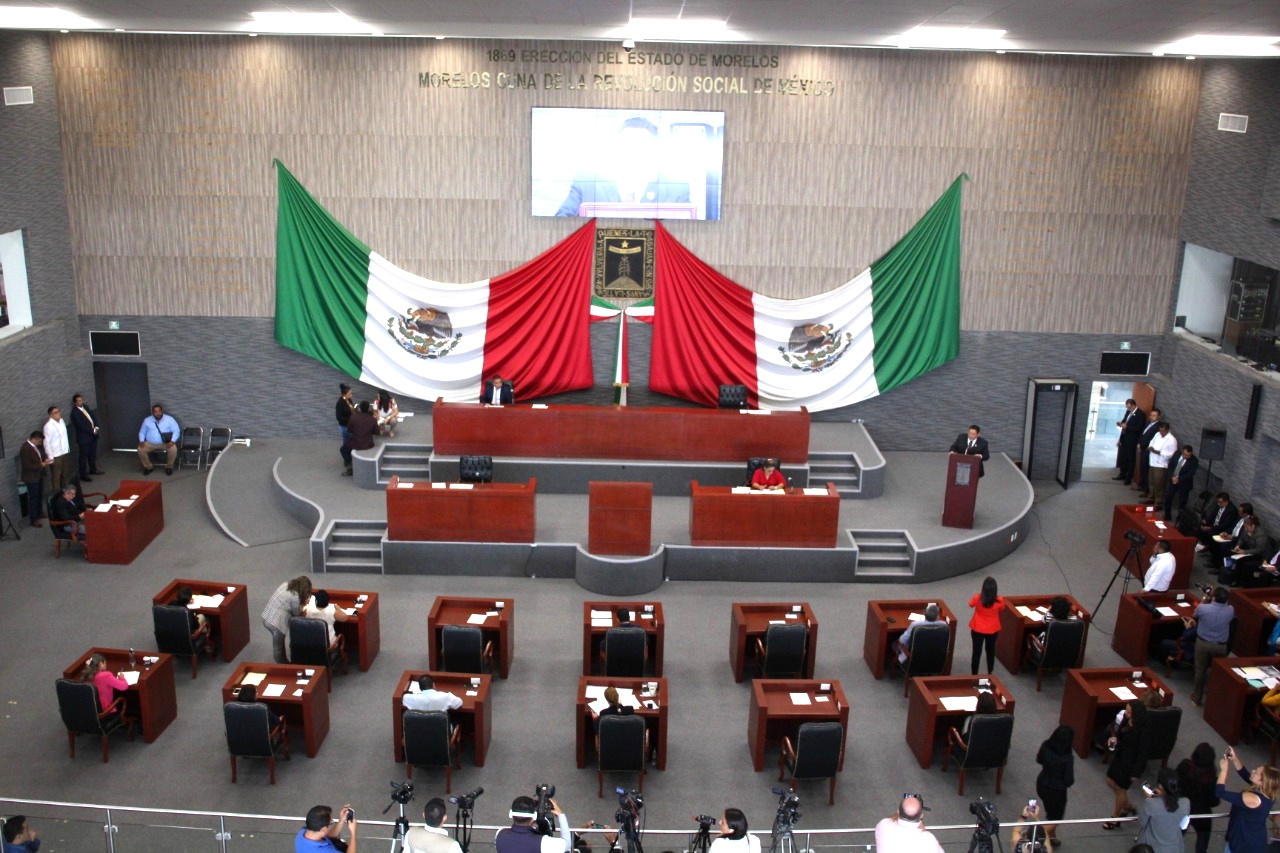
(733, 397)
(219, 438)
(173, 630)
(1162, 731)
(426, 738)
(192, 438)
(308, 641)
(78, 704)
(989, 738)
(475, 469)
(248, 729)
(621, 743)
(59, 531)
(462, 649)
(1062, 641)
(784, 651)
(1231, 634)
(818, 750)
(754, 464)
(928, 652)
(624, 652)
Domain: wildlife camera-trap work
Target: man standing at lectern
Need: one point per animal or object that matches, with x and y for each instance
(973, 444)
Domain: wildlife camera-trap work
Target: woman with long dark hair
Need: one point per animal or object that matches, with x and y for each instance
(1165, 814)
(107, 682)
(733, 836)
(985, 624)
(1057, 773)
(1130, 757)
(1197, 777)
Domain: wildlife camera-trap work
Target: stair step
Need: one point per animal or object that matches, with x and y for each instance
(357, 552)
(349, 565)
(354, 537)
(882, 547)
(349, 524)
(403, 468)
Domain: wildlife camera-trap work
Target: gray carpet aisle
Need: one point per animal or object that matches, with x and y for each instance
(241, 497)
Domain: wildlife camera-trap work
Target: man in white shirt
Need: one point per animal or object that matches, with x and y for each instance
(1160, 572)
(319, 607)
(428, 698)
(57, 449)
(1162, 448)
(905, 832)
(432, 837)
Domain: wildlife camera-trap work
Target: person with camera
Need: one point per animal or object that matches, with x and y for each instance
(431, 837)
(1247, 823)
(1165, 815)
(904, 832)
(520, 837)
(322, 832)
(1028, 835)
(1213, 629)
(733, 837)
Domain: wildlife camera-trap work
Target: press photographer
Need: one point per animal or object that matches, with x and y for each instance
(323, 833)
(522, 837)
(432, 837)
(1028, 836)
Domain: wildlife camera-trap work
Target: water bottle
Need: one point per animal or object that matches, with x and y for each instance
(133, 660)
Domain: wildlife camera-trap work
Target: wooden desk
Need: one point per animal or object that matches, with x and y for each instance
(501, 629)
(718, 517)
(228, 622)
(928, 719)
(620, 518)
(774, 715)
(888, 620)
(1231, 700)
(750, 619)
(655, 718)
(119, 535)
(153, 701)
(461, 512)
(1088, 701)
(362, 629)
(1256, 621)
(475, 717)
(1127, 517)
(1014, 627)
(644, 614)
(613, 432)
(1137, 629)
(305, 707)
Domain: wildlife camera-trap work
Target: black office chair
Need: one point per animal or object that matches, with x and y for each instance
(463, 649)
(309, 646)
(82, 715)
(624, 649)
(1162, 732)
(927, 654)
(732, 397)
(622, 743)
(429, 741)
(175, 637)
(250, 735)
(987, 747)
(1060, 648)
(219, 440)
(191, 447)
(816, 755)
(1266, 723)
(475, 469)
(781, 653)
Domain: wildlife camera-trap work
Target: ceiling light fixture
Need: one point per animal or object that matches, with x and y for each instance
(676, 29)
(960, 38)
(1223, 46)
(44, 18)
(309, 23)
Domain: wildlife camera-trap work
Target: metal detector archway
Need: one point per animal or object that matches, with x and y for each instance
(1042, 417)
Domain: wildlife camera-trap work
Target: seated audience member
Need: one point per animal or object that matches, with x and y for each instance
(768, 478)
(322, 832)
(68, 506)
(431, 837)
(387, 413)
(1059, 611)
(19, 837)
(1221, 518)
(1160, 573)
(362, 427)
(319, 607)
(195, 621)
(158, 432)
(497, 393)
(986, 705)
(1224, 543)
(615, 706)
(1268, 571)
(428, 698)
(1250, 546)
(248, 694)
(108, 683)
(903, 643)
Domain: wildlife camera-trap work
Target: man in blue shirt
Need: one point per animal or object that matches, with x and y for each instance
(322, 831)
(19, 837)
(158, 432)
(1213, 626)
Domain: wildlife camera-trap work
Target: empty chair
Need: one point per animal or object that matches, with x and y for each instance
(623, 650)
(251, 735)
(986, 748)
(191, 447)
(1060, 648)
(475, 469)
(219, 440)
(463, 649)
(927, 653)
(622, 743)
(732, 397)
(1162, 732)
(816, 755)
(82, 715)
(309, 646)
(781, 653)
(174, 635)
(430, 741)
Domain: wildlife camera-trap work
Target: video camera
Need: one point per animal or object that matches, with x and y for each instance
(788, 808)
(544, 822)
(1135, 537)
(705, 820)
(401, 792)
(985, 812)
(629, 805)
(467, 801)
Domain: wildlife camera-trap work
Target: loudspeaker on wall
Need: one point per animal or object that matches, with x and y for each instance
(1213, 444)
(1255, 399)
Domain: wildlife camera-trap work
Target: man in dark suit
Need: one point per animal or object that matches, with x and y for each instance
(973, 444)
(33, 465)
(1221, 519)
(1140, 463)
(68, 506)
(84, 422)
(633, 174)
(497, 393)
(1182, 476)
(1127, 447)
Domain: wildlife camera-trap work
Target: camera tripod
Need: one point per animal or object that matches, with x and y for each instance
(700, 841)
(628, 827)
(401, 826)
(1137, 563)
(462, 827)
(6, 526)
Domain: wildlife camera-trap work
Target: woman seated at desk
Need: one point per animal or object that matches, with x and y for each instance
(109, 685)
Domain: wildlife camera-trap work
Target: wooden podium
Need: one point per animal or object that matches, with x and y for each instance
(962, 490)
(621, 519)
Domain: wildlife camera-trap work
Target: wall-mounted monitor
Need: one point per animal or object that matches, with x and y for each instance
(637, 164)
(115, 343)
(1125, 364)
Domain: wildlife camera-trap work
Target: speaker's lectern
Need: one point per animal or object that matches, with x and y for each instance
(962, 490)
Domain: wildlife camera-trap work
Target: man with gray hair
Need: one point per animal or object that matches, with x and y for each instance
(905, 832)
(904, 642)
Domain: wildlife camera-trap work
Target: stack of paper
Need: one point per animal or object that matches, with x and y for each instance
(273, 690)
(130, 676)
(801, 699)
(740, 490)
(815, 491)
(1124, 694)
(960, 703)
(210, 602)
(254, 678)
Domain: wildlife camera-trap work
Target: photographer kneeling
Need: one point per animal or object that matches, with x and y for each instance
(1028, 837)
(520, 837)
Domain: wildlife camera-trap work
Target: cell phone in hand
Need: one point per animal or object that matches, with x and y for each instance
(350, 814)
(1148, 790)
(1031, 804)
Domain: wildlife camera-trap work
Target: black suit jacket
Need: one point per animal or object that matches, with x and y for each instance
(1147, 434)
(1230, 515)
(1134, 427)
(506, 397)
(84, 429)
(961, 445)
(1188, 473)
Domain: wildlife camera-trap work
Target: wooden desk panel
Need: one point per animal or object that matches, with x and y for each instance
(718, 517)
(749, 620)
(928, 719)
(1256, 620)
(1137, 629)
(774, 716)
(153, 701)
(1231, 700)
(307, 713)
(362, 630)
(1014, 627)
(655, 718)
(229, 622)
(644, 614)
(1087, 698)
(621, 518)
(486, 512)
(118, 536)
(888, 620)
(475, 717)
(612, 432)
(1127, 517)
(500, 629)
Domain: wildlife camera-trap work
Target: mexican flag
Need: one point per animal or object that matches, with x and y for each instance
(897, 319)
(347, 306)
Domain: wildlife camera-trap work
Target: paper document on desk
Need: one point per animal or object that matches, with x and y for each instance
(1166, 611)
(814, 491)
(273, 690)
(403, 485)
(1124, 694)
(601, 614)
(740, 490)
(960, 703)
(538, 406)
(130, 677)
(606, 622)
(461, 485)
(350, 611)
(801, 699)
(253, 678)
(436, 485)
(103, 507)
(915, 617)
(477, 618)
(1252, 672)
(210, 601)
(124, 501)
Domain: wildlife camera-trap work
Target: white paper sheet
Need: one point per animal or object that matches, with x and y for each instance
(439, 485)
(403, 485)
(1124, 694)
(601, 614)
(1166, 611)
(477, 618)
(103, 507)
(253, 678)
(592, 691)
(740, 490)
(801, 699)
(130, 676)
(606, 622)
(212, 602)
(960, 703)
(915, 617)
(273, 690)
(461, 485)
(815, 491)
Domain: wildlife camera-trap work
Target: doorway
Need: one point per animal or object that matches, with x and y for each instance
(1106, 408)
(124, 400)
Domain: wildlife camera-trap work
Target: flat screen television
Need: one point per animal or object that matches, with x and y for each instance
(1125, 364)
(637, 164)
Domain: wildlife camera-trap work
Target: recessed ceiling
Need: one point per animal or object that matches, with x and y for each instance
(1073, 26)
